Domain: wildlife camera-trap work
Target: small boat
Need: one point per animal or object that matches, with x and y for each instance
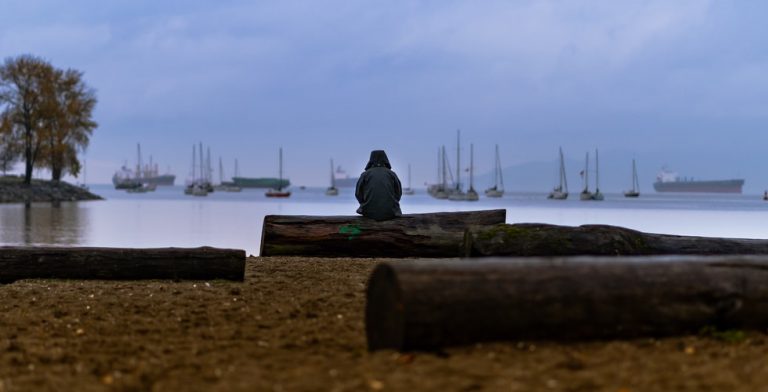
(635, 191)
(332, 190)
(223, 185)
(585, 193)
(440, 189)
(560, 192)
(197, 185)
(458, 194)
(279, 192)
(497, 190)
(409, 190)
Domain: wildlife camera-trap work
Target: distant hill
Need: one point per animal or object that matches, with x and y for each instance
(616, 171)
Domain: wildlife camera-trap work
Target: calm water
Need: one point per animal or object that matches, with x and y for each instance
(233, 220)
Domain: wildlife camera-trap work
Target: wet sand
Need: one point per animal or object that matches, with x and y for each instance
(296, 324)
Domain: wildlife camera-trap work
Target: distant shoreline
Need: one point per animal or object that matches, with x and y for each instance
(13, 190)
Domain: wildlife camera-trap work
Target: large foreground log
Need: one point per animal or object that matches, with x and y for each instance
(416, 235)
(120, 263)
(430, 304)
(534, 239)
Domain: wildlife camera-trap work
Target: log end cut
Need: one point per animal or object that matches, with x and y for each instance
(384, 310)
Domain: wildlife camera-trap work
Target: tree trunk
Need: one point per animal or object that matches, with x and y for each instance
(56, 173)
(28, 164)
(417, 235)
(533, 239)
(120, 263)
(425, 306)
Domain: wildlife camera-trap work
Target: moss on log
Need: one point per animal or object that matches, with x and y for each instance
(415, 235)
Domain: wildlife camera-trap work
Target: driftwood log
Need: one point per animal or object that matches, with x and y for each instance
(534, 239)
(416, 235)
(120, 263)
(431, 304)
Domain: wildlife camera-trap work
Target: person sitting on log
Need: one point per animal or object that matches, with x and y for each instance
(378, 189)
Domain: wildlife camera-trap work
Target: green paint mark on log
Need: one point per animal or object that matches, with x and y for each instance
(352, 230)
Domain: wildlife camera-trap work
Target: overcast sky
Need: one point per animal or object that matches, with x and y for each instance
(677, 83)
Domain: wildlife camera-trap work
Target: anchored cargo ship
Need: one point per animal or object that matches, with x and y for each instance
(261, 182)
(343, 180)
(667, 181)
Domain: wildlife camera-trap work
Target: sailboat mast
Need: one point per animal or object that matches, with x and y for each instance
(280, 173)
(496, 169)
(597, 173)
(221, 171)
(445, 181)
(333, 180)
(194, 164)
(586, 174)
(202, 164)
(439, 159)
(458, 162)
(138, 160)
(471, 163)
(635, 182)
(209, 170)
(563, 178)
(409, 176)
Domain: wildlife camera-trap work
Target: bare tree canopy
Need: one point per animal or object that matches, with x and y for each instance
(46, 115)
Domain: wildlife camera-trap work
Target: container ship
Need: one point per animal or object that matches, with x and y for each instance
(667, 181)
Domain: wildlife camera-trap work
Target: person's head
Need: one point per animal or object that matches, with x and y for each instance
(378, 159)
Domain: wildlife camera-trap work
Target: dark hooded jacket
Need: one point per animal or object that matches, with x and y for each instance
(378, 189)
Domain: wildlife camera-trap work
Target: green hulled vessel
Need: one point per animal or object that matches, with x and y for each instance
(261, 182)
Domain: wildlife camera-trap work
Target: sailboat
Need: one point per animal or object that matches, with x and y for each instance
(440, 190)
(409, 190)
(224, 185)
(561, 190)
(142, 185)
(332, 190)
(471, 193)
(597, 196)
(585, 193)
(497, 190)
(635, 191)
(458, 194)
(198, 186)
(279, 192)
(84, 184)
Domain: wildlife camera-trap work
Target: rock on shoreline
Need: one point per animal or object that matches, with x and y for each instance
(13, 190)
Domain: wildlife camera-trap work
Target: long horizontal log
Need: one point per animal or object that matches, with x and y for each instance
(534, 239)
(415, 235)
(428, 305)
(120, 263)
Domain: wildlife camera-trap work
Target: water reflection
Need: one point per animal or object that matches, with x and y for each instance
(43, 224)
(234, 220)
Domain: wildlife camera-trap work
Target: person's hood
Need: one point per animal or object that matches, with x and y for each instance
(378, 159)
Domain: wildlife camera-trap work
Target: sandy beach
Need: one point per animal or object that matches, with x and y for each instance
(296, 324)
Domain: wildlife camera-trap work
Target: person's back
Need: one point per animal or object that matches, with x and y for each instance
(378, 189)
